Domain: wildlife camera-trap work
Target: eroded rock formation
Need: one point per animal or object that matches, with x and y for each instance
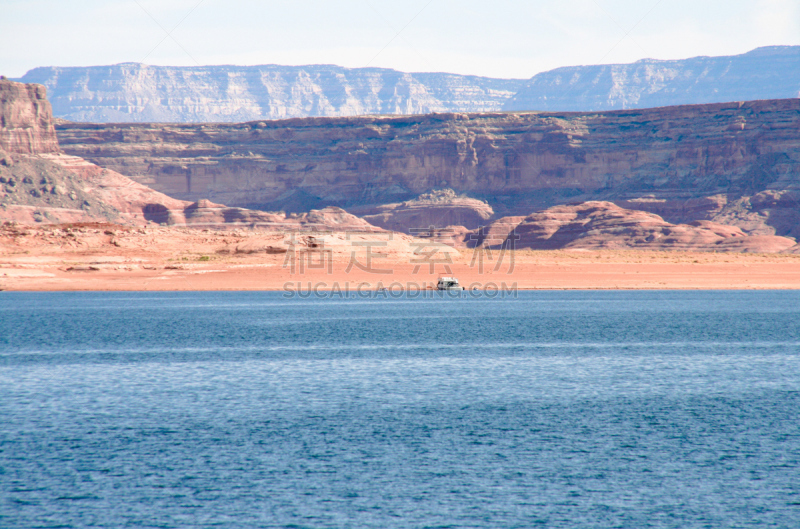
(726, 177)
(734, 163)
(439, 208)
(57, 188)
(598, 225)
(39, 184)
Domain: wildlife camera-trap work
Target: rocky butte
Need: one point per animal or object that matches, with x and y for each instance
(26, 119)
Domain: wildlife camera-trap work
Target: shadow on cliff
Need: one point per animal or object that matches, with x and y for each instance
(157, 213)
(294, 201)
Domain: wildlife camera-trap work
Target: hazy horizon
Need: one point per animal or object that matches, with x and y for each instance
(309, 65)
(505, 40)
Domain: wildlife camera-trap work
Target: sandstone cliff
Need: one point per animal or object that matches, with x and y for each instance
(207, 214)
(56, 188)
(735, 163)
(764, 73)
(26, 121)
(142, 93)
(39, 184)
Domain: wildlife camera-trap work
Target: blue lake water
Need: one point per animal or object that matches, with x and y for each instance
(551, 409)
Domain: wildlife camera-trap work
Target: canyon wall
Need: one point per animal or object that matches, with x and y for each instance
(142, 93)
(133, 92)
(40, 184)
(725, 177)
(26, 120)
(771, 72)
(738, 160)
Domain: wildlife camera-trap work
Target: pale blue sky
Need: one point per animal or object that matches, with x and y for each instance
(502, 38)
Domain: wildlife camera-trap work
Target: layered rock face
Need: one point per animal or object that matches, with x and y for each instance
(603, 225)
(39, 184)
(56, 188)
(436, 209)
(737, 163)
(26, 120)
(726, 176)
(207, 214)
(142, 93)
(764, 73)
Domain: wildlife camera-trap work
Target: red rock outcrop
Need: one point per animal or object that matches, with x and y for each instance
(331, 218)
(494, 234)
(439, 209)
(26, 119)
(596, 225)
(57, 188)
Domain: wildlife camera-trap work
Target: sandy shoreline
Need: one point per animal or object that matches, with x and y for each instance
(116, 259)
(539, 271)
